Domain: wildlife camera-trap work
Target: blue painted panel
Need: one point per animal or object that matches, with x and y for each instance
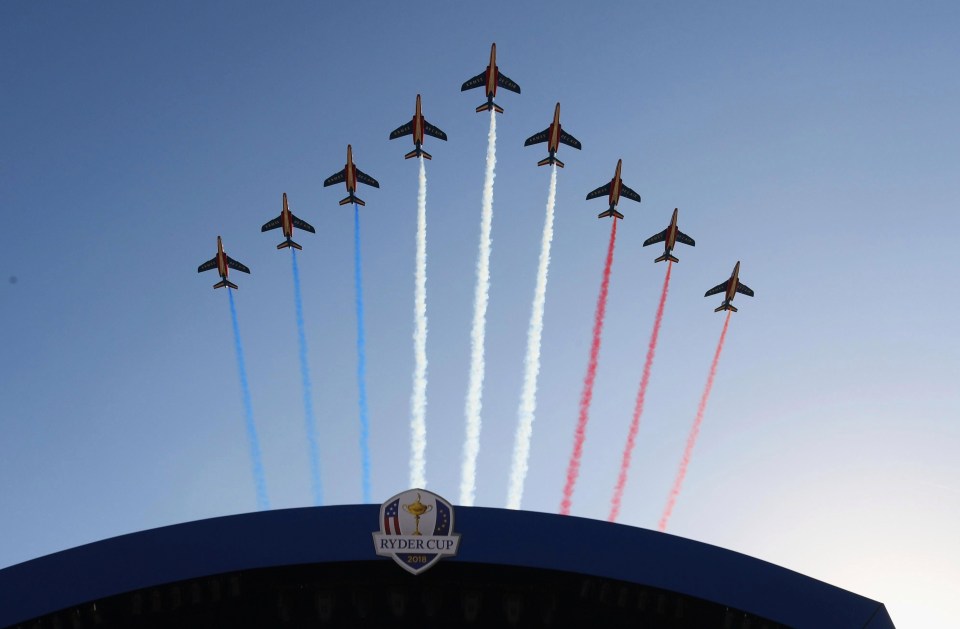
(491, 536)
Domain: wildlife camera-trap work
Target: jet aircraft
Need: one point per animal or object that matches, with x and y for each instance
(670, 237)
(417, 127)
(222, 263)
(490, 79)
(288, 221)
(730, 288)
(614, 189)
(553, 136)
(351, 175)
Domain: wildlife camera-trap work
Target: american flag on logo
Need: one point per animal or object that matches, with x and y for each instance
(391, 515)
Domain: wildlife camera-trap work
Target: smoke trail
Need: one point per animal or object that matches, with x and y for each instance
(361, 362)
(307, 387)
(573, 468)
(694, 432)
(528, 395)
(259, 480)
(641, 397)
(471, 445)
(418, 400)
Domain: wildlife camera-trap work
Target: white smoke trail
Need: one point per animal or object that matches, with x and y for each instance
(471, 444)
(418, 400)
(528, 396)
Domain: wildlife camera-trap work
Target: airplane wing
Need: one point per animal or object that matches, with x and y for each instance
(233, 264)
(599, 192)
(630, 194)
(337, 178)
(275, 223)
(719, 288)
(363, 177)
(687, 240)
(402, 130)
(658, 238)
(505, 82)
(476, 81)
(744, 289)
(431, 130)
(303, 225)
(537, 138)
(208, 265)
(569, 140)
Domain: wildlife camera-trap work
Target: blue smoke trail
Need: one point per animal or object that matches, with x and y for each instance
(307, 387)
(258, 477)
(361, 361)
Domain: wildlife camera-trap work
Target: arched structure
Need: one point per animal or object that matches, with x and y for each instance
(317, 567)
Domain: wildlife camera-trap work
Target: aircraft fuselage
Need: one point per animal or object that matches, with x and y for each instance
(615, 186)
(672, 232)
(553, 140)
(350, 173)
(492, 73)
(286, 219)
(418, 125)
(222, 267)
(732, 288)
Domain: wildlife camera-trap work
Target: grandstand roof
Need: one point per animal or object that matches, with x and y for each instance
(513, 568)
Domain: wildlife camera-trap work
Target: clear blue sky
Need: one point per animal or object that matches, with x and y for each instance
(816, 143)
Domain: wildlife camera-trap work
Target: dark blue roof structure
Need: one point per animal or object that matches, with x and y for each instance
(514, 568)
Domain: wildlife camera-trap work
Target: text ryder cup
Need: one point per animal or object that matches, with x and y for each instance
(404, 543)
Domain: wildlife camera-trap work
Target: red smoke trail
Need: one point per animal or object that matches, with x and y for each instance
(638, 407)
(573, 468)
(694, 432)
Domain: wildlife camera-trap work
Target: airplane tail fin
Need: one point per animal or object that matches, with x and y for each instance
(725, 306)
(550, 160)
(352, 199)
(667, 256)
(289, 243)
(225, 282)
(610, 212)
(490, 105)
(417, 152)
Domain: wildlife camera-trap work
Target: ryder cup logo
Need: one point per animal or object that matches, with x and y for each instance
(416, 529)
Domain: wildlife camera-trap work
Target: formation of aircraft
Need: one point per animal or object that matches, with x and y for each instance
(614, 190)
(222, 263)
(288, 221)
(417, 128)
(553, 136)
(730, 288)
(490, 79)
(350, 175)
(670, 237)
